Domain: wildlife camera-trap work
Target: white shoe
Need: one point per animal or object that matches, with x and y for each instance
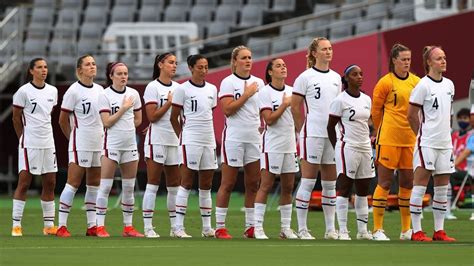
(344, 235)
(288, 233)
(259, 233)
(180, 233)
(406, 235)
(379, 235)
(209, 232)
(364, 235)
(150, 233)
(305, 235)
(172, 232)
(450, 216)
(472, 217)
(331, 235)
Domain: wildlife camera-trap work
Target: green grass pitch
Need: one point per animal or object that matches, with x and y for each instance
(35, 249)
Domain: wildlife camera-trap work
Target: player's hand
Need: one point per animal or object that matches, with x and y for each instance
(128, 102)
(286, 100)
(170, 97)
(250, 90)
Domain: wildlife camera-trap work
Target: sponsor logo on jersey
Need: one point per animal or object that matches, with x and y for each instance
(192, 162)
(84, 160)
(352, 172)
(233, 160)
(84, 99)
(160, 156)
(50, 100)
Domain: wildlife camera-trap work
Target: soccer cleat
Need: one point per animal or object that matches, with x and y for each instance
(209, 232)
(450, 216)
(129, 231)
(305, 235)
(344, 235)
(17, 231)
(172, 232)
(180, 233)
(51, 230)
(222, 233)
(150, 233)
(472, 217)
(101, 232)
(364, 235)
(249, 232)
(288, 233)
(406, 235)
(92, 231)
(259, 233)
(63, 232)
(420, 237)
(331, 235)
(442, 236)
(379, 235)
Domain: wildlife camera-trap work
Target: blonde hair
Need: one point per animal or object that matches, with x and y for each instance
(234, 54)
(310, 59)
(427, 51)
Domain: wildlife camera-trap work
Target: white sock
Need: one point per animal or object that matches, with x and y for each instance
(328, 200)
(128, 200)
(249, 217)
(342, 207)
(205, 205)
(285, 215)
(416, 207)
(181, 206)
(449, 199)
(17, 213)
(259, 214)
(171, 205)
(65, 204)
(221, 214)
(440, 201)
(148, 205)
(48, 212)
(362, 213)
(103, 199)
(89, 201)
(303, 195)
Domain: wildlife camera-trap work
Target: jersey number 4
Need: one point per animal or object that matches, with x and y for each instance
(435, 103)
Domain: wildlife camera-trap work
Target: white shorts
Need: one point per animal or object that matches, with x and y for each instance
(163, 154)
(238, 154)
(440, 161)
(85, 158)
(279, 163)
(354, 164)
(198, 157)
(37, 161)
(316, 150)
(121, 157)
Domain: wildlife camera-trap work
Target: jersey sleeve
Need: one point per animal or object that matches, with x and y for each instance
(104, 105)
(265, 101)
(178, 97)
(137, 104)
(225, 89)
(69, 101)
(418, 95)
(299, 87)
(335, 109)
(19, 99)
(214, 94)
(55, 96)
(381, 90)
(151, 95)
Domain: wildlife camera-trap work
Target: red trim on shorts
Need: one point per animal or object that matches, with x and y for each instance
(305, 135)
(66, 110)
(265, 108)
(185, 160)
(343, 158)
(263, 139)
(105, 111)
(419, 140)
(266, 162)
(149, 134)
(151, 102)
(74, 147)
(25, 155)
(18, 106)
(299, 94)
(75, 120)
(223, 144)
(226, 95)
(177, 105)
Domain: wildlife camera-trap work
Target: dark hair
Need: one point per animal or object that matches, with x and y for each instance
(31, 66)
(427, 51)
(192, 59)
(156, 69)
(269, 67)
(346, 72)
(109, 71)
(394, 52)
(463, 112)
(79, 62)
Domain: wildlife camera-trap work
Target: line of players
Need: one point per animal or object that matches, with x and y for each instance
(100, 125)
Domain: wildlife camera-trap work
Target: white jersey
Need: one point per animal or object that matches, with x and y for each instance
(160, 132)
(354, 113)
(120, 136)
(197, 103)
(435, 99)
(243, 125)
(82, 102)
(319, 89)
(279, 137)
(37, 104)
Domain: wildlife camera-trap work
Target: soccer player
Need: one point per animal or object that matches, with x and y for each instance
(393, 151)
(195, 99)
(354, 161)
(240, 138)
(120, 111)
(317, 86)
(278, 148)
(429, 115)
(81, 124)
(32, 107)
(161, 143)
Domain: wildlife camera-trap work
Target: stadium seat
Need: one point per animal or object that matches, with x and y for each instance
(44, 4)
(96, 15)
(367, 26)
(182, 3)
(88, 46)
(201, 15)
(403, 11)
(90, 30)
(175, 14)
(72, 4)
(283, 6)
(392, 23)
(34, 48)
(127, 3)
(235, 3)
(61, 46)
(317, 27)
(151, 13)
(292, 28)
(318, 8)
(215, 29)
(377, 10)
(41, 22)
(159, 3)
(227, 14)
(282, 45)
(98, 3)
(210, 3)
(353, 15)
(251, 16)
(340, 31)
(260, 46)
(122, 14)
(303, 42)
(264, 3)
